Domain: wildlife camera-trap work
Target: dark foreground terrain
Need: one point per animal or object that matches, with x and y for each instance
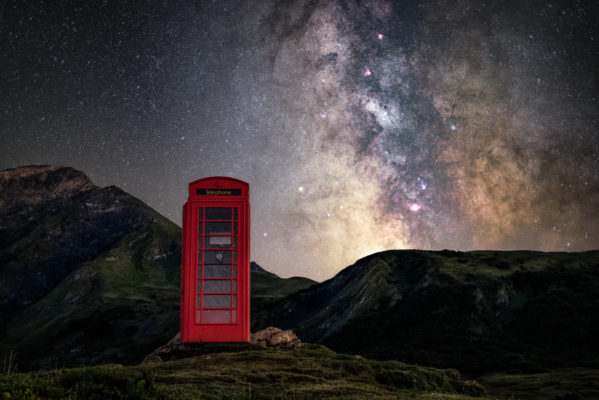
(249, 372)
(246, 371)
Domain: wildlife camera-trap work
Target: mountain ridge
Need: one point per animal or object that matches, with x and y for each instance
(475, 311)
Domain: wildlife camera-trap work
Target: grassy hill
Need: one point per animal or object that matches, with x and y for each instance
(311, 372)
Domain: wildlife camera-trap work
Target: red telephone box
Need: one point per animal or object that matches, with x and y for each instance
(215, 272)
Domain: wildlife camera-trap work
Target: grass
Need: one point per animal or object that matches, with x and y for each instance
(560, 384)
(310, 372)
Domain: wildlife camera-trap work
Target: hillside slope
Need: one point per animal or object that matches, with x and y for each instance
(87, 274)
(475, 311)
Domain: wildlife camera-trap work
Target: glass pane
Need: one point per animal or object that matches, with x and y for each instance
(199, 257)
(217, 242)
(234, 316)
(234, 300)
(234, 241)
(235, 213)
(218, 228)
(234, 227)
(217, 286)
(200, 213)
(234, 271)
(217, 271)
(198, 316)
(200, 227)
(217, 300)
(199, 300)
(217, 316)
(234, 256)
(200, 286)
(218, 213)
(218, 256)
(234, 286)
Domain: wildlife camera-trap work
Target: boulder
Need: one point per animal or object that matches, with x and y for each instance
(275, 337)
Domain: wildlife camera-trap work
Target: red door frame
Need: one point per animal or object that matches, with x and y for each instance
(207, 193)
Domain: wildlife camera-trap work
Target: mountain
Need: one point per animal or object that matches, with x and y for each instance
(476, 311)
(87, 274)
(268, 288)
(91, 274)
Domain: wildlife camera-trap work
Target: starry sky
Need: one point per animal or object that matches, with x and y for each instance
(359, 125)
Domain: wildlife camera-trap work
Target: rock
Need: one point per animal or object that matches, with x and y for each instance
(275, 337)
(161, 353)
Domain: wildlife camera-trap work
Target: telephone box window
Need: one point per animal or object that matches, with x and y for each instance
(217, 286)
(217, 316)
(217, 301)
(217, 271)
(218, 228)
(213, 213)
(217, 257)
(216, 242)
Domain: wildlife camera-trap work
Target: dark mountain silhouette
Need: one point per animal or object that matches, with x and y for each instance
(87, 274)
(475, 311)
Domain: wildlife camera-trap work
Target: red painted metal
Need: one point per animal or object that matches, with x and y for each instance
(215, 270)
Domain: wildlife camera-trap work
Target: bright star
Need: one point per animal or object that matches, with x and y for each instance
(415, 207)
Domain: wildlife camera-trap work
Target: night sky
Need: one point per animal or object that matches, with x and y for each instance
(360, 126)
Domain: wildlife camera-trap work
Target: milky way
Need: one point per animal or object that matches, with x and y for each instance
(360, 126)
